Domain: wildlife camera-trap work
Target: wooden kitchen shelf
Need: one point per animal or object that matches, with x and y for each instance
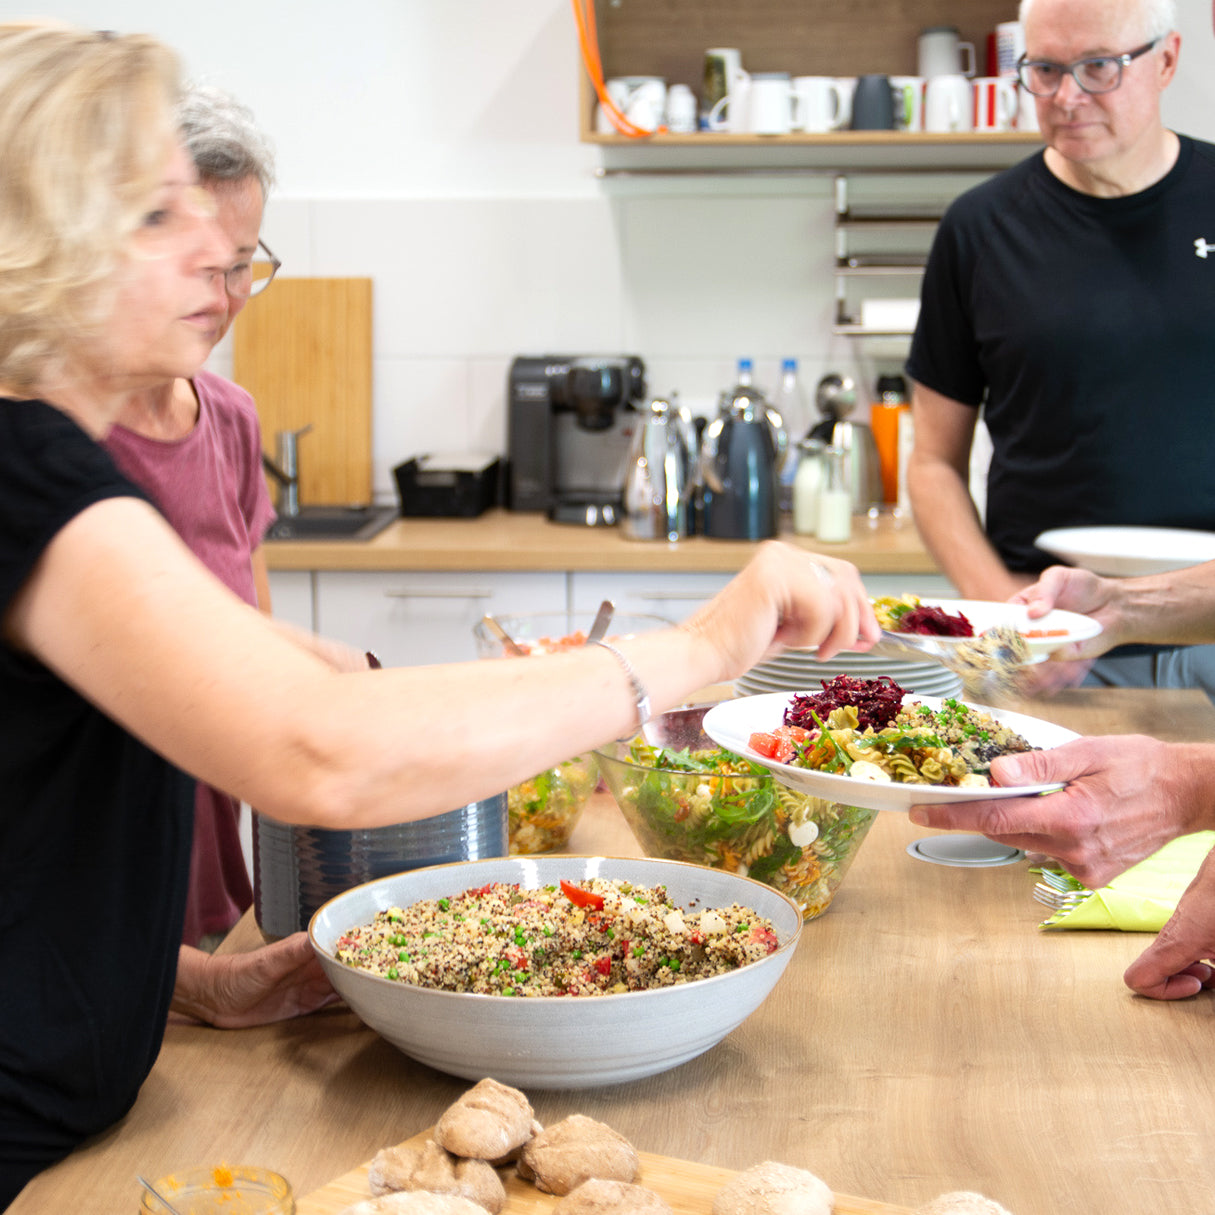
(830, 139)
(668, 38)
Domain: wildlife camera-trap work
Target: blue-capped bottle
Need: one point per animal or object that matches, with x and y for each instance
(794, 409)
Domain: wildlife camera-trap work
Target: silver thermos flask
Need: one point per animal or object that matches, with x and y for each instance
(658, 479)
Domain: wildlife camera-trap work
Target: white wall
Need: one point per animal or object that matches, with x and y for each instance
(432, 144)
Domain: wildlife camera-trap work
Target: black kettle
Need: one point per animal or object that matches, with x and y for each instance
(740, 465)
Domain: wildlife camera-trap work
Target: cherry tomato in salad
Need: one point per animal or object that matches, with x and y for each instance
(580, 897)
(765, 937)
(781, 744)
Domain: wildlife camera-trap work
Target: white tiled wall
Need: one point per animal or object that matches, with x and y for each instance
(461, 286)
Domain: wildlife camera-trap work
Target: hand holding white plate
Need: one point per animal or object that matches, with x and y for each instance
(1057, 628)
(731, 724)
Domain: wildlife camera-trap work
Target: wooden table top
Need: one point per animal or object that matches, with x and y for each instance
(926, 1037)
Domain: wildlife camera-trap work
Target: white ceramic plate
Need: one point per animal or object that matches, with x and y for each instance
(731, 724)
(984, 614)
(1129, 551)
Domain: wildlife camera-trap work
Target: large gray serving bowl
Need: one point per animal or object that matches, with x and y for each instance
(553, 1042)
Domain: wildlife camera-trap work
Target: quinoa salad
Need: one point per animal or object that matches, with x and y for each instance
(601, 937)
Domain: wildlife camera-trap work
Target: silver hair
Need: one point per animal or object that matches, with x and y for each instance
(222, 138)
(1159, 16)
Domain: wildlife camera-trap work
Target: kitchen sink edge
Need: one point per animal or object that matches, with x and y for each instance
(325, 523)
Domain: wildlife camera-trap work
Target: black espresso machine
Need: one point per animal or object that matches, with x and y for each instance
(570, 420)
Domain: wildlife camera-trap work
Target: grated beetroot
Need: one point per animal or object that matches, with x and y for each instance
(936, 622)
(876, 701)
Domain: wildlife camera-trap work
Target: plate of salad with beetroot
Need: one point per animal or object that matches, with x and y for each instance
(955, 620)
(866, 742)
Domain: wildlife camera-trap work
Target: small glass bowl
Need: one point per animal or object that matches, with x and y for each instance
(222, 1189)
(545, 809)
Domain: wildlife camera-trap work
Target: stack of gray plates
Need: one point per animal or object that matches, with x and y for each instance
(800, 671)
(298, 869)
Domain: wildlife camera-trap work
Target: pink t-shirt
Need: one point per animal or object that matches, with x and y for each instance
(211, 488)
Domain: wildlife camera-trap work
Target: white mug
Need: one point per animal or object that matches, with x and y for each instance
(847, 86)
(681, 110)
(818, 103)
(618, 92)
(770, 104)
(641, 99)
(730, 112)
(948, 104)
(1027, 111)
(908, 102)
(722, 67)
(995, 103)
(941, 53)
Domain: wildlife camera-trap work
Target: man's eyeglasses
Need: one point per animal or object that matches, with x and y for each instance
(1097, 74)
(240, 282)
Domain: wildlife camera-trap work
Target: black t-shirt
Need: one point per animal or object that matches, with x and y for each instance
(95, 835)
(1086, 328)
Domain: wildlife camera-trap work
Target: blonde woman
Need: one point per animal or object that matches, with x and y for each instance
(194, 444)
(127, 670)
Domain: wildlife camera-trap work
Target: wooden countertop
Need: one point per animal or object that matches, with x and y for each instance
(505, 540)
(926, 1037)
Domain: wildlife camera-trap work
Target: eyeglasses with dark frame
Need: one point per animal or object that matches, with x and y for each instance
(1095, 74)
(239, 281)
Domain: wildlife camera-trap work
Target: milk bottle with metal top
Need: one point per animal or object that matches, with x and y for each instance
(835, 500)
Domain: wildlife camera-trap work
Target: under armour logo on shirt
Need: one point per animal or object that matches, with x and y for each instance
(1201, 248)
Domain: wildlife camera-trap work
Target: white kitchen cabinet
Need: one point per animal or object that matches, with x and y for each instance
(291, 597)
(674, 596)
(927, 586)
(414, 618)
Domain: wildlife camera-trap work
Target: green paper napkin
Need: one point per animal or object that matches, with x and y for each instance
(1142, 898)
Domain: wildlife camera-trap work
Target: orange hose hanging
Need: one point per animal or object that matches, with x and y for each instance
(588, 41)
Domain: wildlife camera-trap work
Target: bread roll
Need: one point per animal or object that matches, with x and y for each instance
(570, 1152)
(601, 1197)
(415, 1202)
(486, 1123)
(437, 1171)
(962, 1202)
(774, 1189)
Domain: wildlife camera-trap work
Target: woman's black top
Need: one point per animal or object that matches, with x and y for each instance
(95, 836)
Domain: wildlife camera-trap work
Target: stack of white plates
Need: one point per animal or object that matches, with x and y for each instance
(801, 671)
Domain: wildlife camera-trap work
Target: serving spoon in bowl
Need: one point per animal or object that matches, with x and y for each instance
(603, 618)
(988, 664)
(160, 1198)
(495, 627)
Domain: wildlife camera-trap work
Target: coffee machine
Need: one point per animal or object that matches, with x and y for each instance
(570, 420)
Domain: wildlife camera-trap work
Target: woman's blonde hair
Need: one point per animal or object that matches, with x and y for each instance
(86, 125)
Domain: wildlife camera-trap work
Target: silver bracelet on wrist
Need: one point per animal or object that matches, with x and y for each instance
(640, 696)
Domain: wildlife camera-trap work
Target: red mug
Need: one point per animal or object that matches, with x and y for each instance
(995, 103)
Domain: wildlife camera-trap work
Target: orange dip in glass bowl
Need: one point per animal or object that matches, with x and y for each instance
(222, 1189)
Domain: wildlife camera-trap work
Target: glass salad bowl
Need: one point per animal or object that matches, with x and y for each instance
(545, 809)
(687, 799)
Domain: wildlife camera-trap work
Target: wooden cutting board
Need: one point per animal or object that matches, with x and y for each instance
(689, 1188)
(303, 349)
